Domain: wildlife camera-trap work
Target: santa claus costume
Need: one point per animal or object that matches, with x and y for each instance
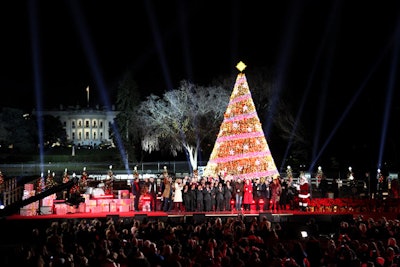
(304, 193)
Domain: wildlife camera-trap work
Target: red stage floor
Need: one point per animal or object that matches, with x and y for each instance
(177, 215)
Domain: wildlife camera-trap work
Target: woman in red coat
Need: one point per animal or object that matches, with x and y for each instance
(248, 194)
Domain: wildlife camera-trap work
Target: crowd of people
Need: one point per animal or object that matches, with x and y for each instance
(233, 241)
(203, 194)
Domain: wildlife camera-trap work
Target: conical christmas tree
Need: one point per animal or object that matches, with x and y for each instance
(241, 149)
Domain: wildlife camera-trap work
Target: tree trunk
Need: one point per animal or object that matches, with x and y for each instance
(192, 151)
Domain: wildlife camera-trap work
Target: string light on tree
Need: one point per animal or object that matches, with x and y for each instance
(350, 174)
(289, 172)
(320, 173)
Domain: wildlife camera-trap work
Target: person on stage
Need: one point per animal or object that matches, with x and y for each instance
(247, 194)
(153, 191)
(178, 187)
(266, 192)
(219, 196)
(64, 181)
(257, 193)
(283, 198)
(109, 182)
(276, 191)
(228, 195)
(239, 194)
(136, 192)
(207, 197)
(199, 198)
(83, 183)
(187, 199)
(304, 193)
(291, 193)
(167, 194)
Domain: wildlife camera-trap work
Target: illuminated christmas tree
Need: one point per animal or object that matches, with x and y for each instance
(241, 149)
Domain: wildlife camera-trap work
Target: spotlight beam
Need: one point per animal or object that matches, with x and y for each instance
(348, 107)
(285, 55)
(332, 33)
(389, 94)
(37, 76)
(308, 88)
(89, 51)
(159, 44)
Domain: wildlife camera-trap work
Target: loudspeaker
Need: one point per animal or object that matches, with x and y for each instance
(199, 218)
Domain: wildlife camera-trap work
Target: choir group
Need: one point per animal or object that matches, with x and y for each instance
(206, 194)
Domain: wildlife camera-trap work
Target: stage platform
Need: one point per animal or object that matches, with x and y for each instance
(279, 216)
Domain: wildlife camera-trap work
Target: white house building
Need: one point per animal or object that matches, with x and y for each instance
(86, 126)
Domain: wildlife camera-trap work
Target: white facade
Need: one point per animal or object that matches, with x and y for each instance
(86, 127)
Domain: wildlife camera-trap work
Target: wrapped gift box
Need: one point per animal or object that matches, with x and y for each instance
(33, 206)
(71, 209)
(28, 193)
(123, 208)
(101, 202)
(27, 212)
(82, 208)
(86, 197)
(61, 209)
(105, 208)
(46, 210)
(123, 194)
(96, 209)
(104, 197)
(91, 202)
(113, 206)
(90, 209)
(30, 209)
(49, 200)
(28, 187)
(123, 201)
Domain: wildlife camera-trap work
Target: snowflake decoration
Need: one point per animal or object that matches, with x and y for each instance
(240, 168)
(257, 162)
(235, 125)
(249, 129)
(246, 147)
(258, 142)
(245, 108)
(231, 152)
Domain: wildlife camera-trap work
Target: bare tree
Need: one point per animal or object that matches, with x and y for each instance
(183, 119)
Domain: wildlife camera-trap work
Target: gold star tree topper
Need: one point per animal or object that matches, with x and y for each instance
(241, 66)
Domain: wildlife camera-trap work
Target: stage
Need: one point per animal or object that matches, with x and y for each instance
(196, 217)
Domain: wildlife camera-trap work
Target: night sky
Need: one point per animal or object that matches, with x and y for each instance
(341, 55)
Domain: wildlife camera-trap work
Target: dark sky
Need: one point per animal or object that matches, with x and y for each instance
(339, 54)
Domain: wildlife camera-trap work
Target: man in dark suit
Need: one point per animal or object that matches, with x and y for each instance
(153, 190)
(136, 192)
